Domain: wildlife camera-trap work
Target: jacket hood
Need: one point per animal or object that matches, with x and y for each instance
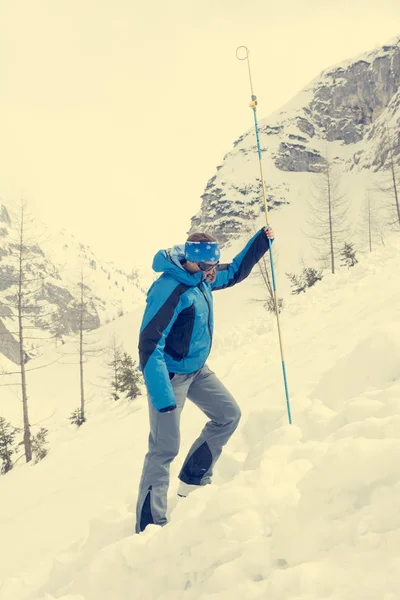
(167, 261)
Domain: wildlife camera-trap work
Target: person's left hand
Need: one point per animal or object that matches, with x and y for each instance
(269, 232)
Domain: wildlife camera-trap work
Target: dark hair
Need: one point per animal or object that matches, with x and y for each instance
(201, 237)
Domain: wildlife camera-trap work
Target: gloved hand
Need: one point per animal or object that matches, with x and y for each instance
(167, 409)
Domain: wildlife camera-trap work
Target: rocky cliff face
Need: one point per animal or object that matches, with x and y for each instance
(52, 287)
(342, 113)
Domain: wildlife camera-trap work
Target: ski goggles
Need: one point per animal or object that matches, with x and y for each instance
(205, 267)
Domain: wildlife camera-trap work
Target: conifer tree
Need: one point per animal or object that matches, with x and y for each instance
(348, 255)
(76, 418)
(7, 445)
(297, 283)
(129, 377)
(307, 278)
(114, 364)
(311, 276)
(39, 443)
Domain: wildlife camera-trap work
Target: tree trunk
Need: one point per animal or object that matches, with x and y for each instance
(27, 428)
(369, 224)
(81, 354)
(396, 195)
(328, 175)
(116, 358)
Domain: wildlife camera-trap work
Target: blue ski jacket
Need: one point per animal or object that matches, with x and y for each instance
(177, 327)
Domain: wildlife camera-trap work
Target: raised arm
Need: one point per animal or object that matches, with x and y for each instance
(163, 306)
(242, 264)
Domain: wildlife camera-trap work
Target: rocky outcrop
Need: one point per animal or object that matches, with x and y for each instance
(296, 157)
(4, 215)
(351, 98)
(345, 106)
(228, 211)
(9, 345)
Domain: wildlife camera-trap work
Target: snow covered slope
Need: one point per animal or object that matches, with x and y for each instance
(308, 511)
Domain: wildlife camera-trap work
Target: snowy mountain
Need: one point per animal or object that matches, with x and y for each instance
(341, 114)
(52, 270)
(303, 511)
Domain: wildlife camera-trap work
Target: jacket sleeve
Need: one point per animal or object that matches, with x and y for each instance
(163, 307)
(243, 263)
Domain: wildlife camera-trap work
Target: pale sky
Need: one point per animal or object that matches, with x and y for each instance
(114, 114)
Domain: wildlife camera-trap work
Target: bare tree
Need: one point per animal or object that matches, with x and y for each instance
(24, 274)
(81, 313)
(264, 268)
(369, 229)
(390, 149)
(20, 296)
(328, 216)
(87, 346)
(114, 364)
(369, 221)
(111, 367)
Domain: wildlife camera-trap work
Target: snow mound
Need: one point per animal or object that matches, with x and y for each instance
(373, 364)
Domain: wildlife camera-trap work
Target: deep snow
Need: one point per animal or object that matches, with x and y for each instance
(295, 512)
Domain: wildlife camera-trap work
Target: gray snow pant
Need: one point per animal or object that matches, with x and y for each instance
(211, 396)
